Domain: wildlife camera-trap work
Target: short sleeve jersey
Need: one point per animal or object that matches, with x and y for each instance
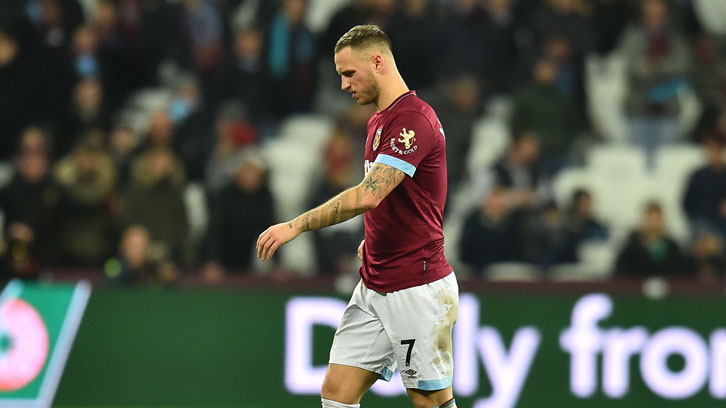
(404, 240)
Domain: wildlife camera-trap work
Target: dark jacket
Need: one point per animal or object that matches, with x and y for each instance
(663, 258)
(484, 242)
(237, 219)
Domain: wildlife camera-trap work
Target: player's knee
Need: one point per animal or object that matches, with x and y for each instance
(333, 389)
(330, 388)
(429, 399)
(421, 401)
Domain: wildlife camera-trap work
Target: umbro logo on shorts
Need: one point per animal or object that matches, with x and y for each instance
(410, 372)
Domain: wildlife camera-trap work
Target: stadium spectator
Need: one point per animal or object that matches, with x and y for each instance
(194, 35)
(246, 79)
(707, 257)
(132, 26)
(549, 240)
(709, 82)
(160, 131)
(564, 18)
(657, 63)
(239, 211)
(124, 143)
(88, 180)
(190, 115)
(649, 251)
(335, 247)
(29, 205)
(353, 121)
(458, 104)
(462, 31)
(52, 23)
(136, 263)
(120, 68)
(704, 200)
(568, 67)
(86, 113)
(609, 18)
(15, 98)
(84, 53)
(500, 47)
(410, 30)
(709, 67)
(518, 171)
(492, 233)
(540, 107)
(351, 14)
(155, 201)
(581, 219)
(235, 137)
(554, 235)
(291, 59)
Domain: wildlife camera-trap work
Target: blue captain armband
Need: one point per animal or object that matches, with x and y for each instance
(396, 163)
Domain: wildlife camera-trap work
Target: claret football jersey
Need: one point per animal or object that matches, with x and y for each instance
(404, 240)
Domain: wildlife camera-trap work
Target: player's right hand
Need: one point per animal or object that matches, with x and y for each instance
(274, 237)
(360, 250)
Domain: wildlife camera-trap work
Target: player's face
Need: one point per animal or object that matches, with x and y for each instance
(356, 75)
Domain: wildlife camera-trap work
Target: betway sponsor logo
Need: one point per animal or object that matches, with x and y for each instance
(508, 368)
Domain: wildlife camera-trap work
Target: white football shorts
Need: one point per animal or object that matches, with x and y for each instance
(409, 328)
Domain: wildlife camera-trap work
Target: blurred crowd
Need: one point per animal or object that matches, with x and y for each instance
(91, 187)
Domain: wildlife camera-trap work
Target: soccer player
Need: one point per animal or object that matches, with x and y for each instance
(403, 310)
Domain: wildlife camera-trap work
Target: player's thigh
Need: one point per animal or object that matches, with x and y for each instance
(361, 352)
(428, 399)
(347, 384)
(419, 322)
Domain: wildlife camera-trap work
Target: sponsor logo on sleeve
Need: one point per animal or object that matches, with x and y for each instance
(408, 139)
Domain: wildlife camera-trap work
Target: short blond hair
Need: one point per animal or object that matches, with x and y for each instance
(363, 37)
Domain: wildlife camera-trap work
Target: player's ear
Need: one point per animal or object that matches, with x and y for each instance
(378, 62)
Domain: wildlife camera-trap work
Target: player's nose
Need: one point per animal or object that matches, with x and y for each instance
(344, 83)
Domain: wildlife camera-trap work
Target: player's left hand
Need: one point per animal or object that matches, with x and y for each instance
(274, 237)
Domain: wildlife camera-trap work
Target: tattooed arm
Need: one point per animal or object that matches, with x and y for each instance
(378, 183)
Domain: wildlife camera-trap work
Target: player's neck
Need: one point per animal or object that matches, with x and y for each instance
(390, 91)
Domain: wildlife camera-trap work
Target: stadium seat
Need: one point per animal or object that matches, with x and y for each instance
(597, 259)
(6, 173)
(619, 202)
(150, 99)
(489, 140)
(453, 225)
(309, 130)
(617, 161)
(195, 201)
(674, 165)
(320, 12)
(606, 86)
(512, 271)
(712, 15)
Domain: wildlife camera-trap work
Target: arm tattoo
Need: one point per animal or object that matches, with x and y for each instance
(381, 179)
(372, 183)
(335, 213)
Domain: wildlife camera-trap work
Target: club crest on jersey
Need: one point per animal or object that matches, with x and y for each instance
(408, 139)
(377, 139)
